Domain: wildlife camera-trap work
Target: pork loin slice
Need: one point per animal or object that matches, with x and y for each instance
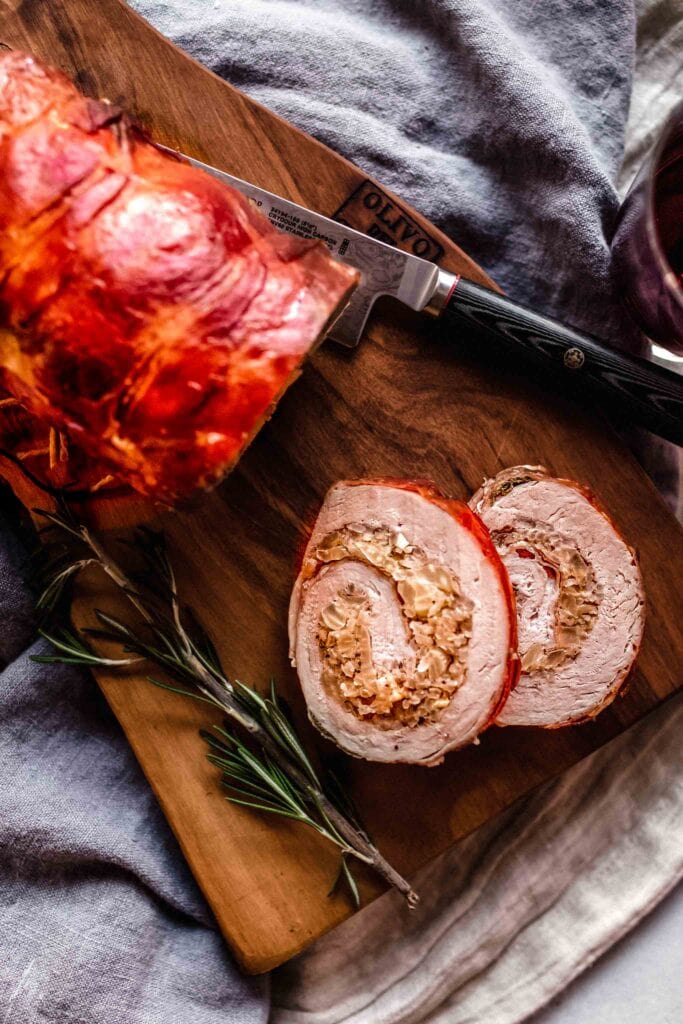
(579, 595)
(402, 623)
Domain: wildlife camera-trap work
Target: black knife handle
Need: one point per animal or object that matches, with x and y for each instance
(650, 395)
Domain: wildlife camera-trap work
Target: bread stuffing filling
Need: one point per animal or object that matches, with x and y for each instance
(438, 620)
(577, 593)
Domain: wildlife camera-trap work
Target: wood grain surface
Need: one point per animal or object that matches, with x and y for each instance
(411, 401)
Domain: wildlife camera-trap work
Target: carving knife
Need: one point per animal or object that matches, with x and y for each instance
(651, 395)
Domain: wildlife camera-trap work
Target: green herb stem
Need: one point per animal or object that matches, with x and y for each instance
(276, 776)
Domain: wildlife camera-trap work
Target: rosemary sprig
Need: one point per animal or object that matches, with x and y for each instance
(272, 773)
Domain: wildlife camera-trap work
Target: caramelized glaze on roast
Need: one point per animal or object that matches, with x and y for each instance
(145, 308)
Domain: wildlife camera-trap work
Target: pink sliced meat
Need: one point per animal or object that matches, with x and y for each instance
(402, 623)
(579, 596)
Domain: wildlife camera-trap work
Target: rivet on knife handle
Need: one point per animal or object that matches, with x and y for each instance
(651, 395)
(648, 394)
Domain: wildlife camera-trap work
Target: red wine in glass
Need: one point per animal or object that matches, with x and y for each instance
(647, 247)
(669, 208)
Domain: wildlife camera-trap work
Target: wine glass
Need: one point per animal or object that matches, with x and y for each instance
(647, 247)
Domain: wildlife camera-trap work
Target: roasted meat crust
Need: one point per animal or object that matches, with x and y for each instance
(145, 308)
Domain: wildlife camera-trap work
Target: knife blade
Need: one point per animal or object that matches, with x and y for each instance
(384, 270)
(648, 394)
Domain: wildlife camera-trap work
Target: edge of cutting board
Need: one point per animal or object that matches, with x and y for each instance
(116, 53)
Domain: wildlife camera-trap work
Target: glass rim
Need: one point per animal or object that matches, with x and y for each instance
(668, 131)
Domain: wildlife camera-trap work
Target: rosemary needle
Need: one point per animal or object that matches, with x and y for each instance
(271, 773)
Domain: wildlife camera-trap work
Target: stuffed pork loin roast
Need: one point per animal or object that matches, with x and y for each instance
(402, 623)
(579, 596)
(147, 311)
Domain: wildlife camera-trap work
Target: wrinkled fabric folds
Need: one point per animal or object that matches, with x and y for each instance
(503, 123)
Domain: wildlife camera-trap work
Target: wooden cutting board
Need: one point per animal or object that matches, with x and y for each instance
(407, 403)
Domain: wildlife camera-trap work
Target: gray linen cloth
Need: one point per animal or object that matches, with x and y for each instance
(504, 124)
(100, 919)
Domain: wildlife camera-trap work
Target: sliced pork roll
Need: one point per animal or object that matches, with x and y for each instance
(402, 623)
(579, 596)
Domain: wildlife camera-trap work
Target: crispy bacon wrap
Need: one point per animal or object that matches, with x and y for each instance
(579, 594)
(147, 311)
(402, 623)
